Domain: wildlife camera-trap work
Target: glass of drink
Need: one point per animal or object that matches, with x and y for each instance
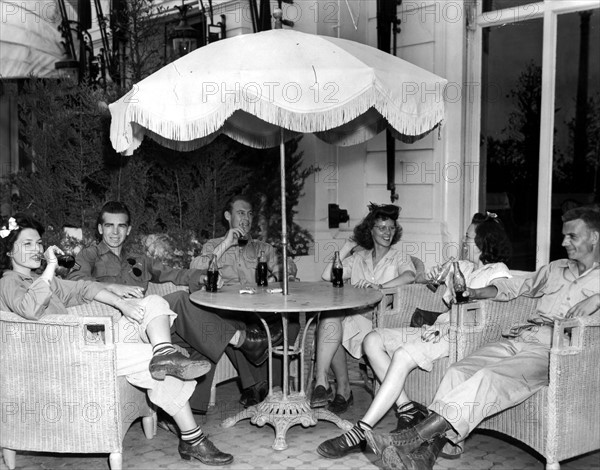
(243, 239)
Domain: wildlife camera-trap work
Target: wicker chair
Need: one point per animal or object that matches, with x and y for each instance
(561, 420)
(405, 300)
(59, 390)
(224, 370)
(420, 385)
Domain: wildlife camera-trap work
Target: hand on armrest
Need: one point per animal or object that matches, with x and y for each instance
(488, 292)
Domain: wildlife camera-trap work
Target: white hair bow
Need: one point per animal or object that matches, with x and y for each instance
(12, 225)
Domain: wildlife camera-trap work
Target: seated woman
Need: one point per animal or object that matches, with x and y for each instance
(143, 321)
(394, 352)
(370, 261)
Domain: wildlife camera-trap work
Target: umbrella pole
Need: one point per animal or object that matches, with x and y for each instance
(283, 215)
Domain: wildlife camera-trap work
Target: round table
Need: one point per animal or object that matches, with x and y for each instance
(284, 409)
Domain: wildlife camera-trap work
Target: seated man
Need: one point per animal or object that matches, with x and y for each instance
(128, 276)
(237, 253)
(509, 371)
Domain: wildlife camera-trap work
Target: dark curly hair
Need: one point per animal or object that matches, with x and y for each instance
(7, 243)
(362, 232)
(491, 238)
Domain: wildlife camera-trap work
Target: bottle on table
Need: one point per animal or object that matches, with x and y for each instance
(212, 275)
(434, 283)
(337, 271)
(262, 271)
(460, 284)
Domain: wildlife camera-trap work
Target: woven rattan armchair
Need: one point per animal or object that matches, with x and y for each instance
(420, 385)
(59, 390)
(562, 420)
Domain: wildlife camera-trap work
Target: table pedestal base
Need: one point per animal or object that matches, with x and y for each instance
(283, 413)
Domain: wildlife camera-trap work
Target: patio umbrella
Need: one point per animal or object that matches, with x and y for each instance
(263, 89)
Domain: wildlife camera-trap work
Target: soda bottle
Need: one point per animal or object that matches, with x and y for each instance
(66, 261)
(434, 283)
(212, 275)
(337, 271)
(262, 271)
(460, 284)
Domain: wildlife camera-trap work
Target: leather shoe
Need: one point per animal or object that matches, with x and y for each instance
(404, 442)
(407, 419)
(422, 458)
(256, 347)
(409, 439)
(340, 404)
(177, 365)
(167, 423)
(320, 396)
(339, 447)
(254, 395)
(205, 451)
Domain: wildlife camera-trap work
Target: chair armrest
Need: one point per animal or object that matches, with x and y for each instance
(405, 299)
(58, 381)
(574, 381)
(573, 335)
(474, 324)
(70, 331)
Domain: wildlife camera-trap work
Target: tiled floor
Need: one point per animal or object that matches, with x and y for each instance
(251, 447)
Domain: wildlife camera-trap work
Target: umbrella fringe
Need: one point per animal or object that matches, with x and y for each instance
(423, 117)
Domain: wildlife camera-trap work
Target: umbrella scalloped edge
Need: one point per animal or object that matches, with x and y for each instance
(406, 118)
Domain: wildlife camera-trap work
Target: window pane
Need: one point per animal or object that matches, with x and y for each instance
(576, 152)
(490, 5)
(510, 131)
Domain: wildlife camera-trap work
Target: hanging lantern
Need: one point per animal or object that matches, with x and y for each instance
(184, 36)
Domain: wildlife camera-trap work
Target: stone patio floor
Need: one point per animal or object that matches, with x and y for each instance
(251, 446)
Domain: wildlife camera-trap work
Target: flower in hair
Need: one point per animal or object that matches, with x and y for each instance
(491, 215)
(12, 225)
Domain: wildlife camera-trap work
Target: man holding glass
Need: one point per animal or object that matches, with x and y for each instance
(237, 256)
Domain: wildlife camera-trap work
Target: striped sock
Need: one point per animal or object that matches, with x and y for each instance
(193, 437)
(162, 349)
(406, 407)
(356, 435)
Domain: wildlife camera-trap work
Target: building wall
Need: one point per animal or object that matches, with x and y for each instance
(430, 174)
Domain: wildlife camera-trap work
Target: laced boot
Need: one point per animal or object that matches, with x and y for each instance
(408, 440)
(422, 458)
